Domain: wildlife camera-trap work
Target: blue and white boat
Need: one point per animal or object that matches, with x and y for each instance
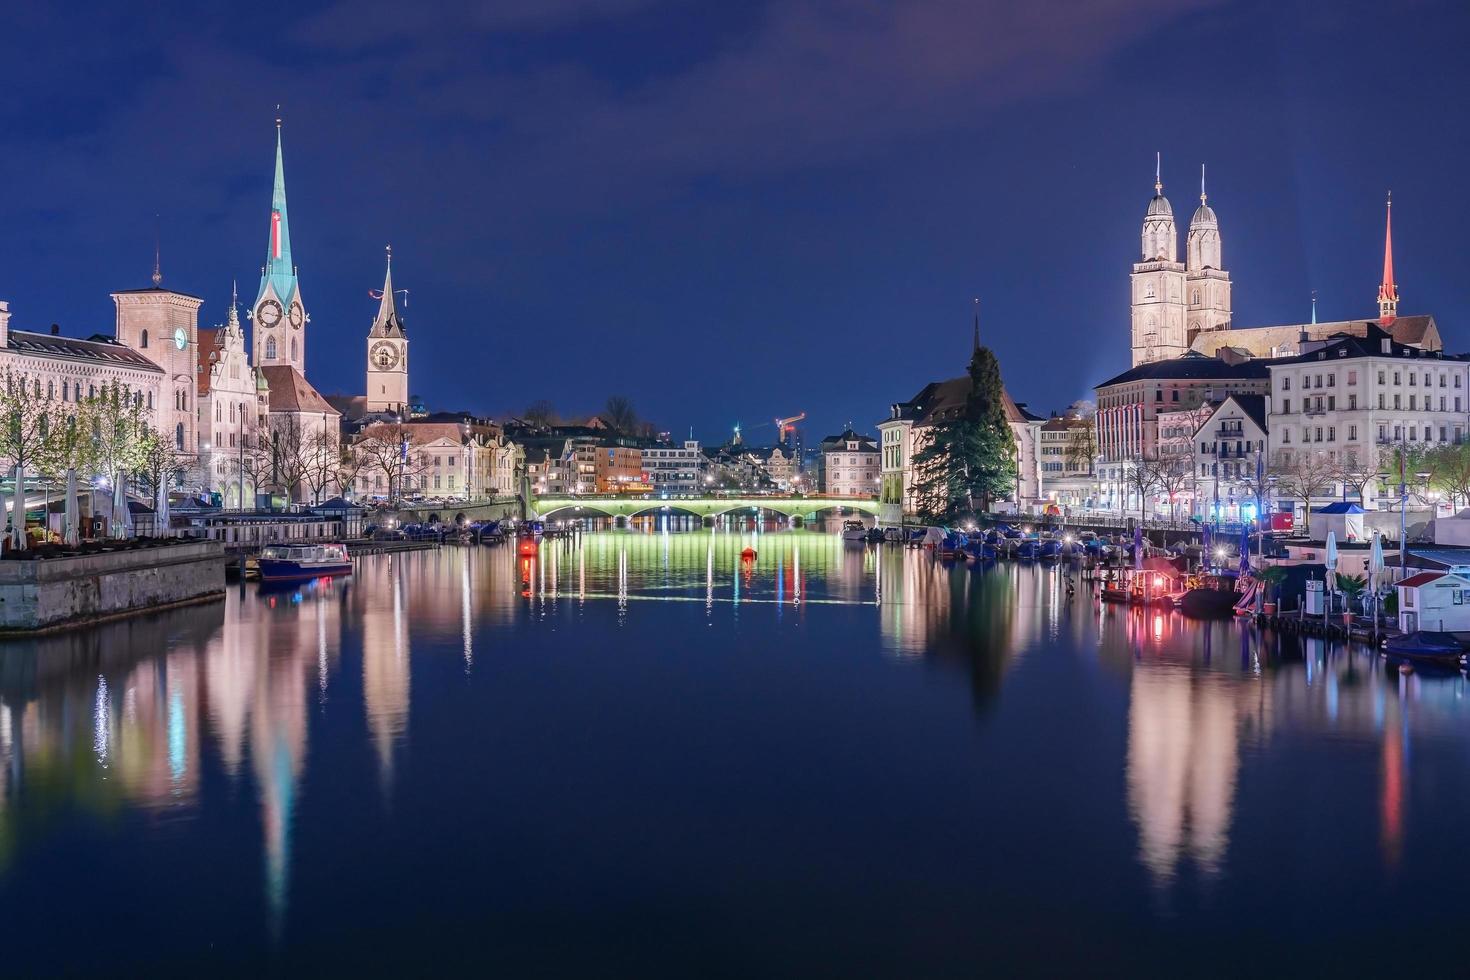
(285, 563)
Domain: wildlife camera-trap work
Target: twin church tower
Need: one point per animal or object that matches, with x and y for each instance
(1174, 302)
(280, 318)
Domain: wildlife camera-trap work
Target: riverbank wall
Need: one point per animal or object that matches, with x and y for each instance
(66, 592)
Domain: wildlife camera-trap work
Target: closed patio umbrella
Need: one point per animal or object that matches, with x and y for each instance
(18, 515)
(1331, 575)
(160, 521)
(122, 520)
(73, 535)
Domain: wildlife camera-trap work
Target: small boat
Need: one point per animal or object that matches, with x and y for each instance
(1426, 646)
(1028, 549)
(1051, 549)
(1212, 595)
(284, 563)
(855, 531)
(876, 535)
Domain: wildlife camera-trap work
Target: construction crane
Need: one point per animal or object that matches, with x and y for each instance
(784, 426)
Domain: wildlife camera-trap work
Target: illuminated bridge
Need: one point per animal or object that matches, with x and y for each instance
(612, 505)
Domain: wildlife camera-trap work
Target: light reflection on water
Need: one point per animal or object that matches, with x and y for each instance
(1189, 746)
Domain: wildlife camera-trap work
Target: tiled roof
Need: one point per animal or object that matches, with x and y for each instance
(941, 401)
(838, 443)
(97, 349)
(1368, 344)
(290, 392)
(1418, 330)
(1193, 366)
(1423, 578)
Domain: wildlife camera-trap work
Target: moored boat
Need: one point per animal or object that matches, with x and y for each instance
(1426, 646)
(1210, 595)
(284, 563)
(854, 531)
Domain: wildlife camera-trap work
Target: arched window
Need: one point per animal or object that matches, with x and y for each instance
(50, 389)
(293, 348)
(270, 348)
(1148, 291)
(1195, 300)
(143, 340)
(150, 401)
(179, 436)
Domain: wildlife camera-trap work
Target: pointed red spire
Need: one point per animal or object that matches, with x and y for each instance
(1388, 290)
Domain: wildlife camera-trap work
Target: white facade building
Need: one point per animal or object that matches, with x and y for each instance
(673, 469)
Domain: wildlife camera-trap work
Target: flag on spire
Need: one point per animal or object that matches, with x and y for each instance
(1388, 290)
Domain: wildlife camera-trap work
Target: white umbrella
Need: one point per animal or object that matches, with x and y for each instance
(18, 517)
(1331, 576)
(3, 513)
(160, 521)
(121, 519)
(1375, 571)
(73, 511)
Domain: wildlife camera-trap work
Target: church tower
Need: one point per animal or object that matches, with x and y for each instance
(1206, 282)
(277, 314)
(1388, 290)
(387, 353)
(1158, 285)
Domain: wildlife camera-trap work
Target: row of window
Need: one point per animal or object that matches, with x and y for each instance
(1317, 380)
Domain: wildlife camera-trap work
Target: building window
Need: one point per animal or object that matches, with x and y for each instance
(1352, 402)
(179, 436)
(1285, 384)
(1352, 377)
(270, 348)
(1332, 381)
(293, 348)
(1352, 433)
(143, 340)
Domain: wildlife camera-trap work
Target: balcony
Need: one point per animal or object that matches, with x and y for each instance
(1310, 410)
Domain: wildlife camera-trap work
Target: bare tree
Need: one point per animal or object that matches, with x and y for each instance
(1305, 475)
(350, 463)
(1081, 449)
(159, 464)
(1142, 478)
(541, 414)
(1356, 471)
(385, 449)
(618, 413)
(320, 462)
(1172, 475)
(283, 446)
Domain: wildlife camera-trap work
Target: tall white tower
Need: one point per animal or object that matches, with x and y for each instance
(387, 353)
(1206, 283)
(1158, 284)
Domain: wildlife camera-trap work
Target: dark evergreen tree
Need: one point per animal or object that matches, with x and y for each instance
(969, 461)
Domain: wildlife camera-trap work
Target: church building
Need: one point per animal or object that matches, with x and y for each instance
(297, 415)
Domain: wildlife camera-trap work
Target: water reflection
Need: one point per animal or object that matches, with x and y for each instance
(136, 716)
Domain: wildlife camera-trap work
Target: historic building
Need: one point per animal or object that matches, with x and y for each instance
(233, 405)
(1230, 456)
(387, 354)
(1174, 302)
(850, 465)
(1067, 453)
(1351, 399)
(163, 326)
(299, 420)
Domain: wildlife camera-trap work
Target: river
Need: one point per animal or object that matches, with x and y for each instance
(638, 755)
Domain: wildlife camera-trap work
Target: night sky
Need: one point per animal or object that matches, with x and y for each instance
(731, 210)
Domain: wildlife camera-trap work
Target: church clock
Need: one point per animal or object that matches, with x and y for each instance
(268, 314)
(297, 316)
(385, 356)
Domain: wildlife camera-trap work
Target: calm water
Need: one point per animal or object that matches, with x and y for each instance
(635, 757)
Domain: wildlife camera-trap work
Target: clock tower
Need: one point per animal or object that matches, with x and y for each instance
(387, 353)
(163, 326)
(277, 315)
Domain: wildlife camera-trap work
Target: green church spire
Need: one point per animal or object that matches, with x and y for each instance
(279, 271)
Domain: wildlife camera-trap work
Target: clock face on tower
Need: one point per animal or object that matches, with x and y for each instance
(268, 314)
(298, 317)
(181, 339)
(385, 356)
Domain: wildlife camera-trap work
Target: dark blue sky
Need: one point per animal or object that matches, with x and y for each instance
(731, 211)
